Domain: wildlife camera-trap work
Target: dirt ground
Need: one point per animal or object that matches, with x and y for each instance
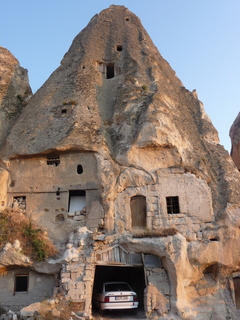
(120, 314)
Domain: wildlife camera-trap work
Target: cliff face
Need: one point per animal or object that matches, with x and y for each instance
(115, 128)
(113, 90)
(235, 139)
(14, 90)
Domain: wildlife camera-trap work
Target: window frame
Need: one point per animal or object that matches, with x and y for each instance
(172, 203)
(21, 275)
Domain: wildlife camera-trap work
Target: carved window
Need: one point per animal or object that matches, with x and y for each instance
(21, 283)
(172, 205)
(79, 169)
(77, 200)
(119, 47)
(138, 212)
(109, 70)
(19, 202)
(53, 161)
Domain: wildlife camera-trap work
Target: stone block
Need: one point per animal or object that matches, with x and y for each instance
(74, 292)
(65, 280)
(80, 286)
(74, 276)
(65, 275)
(71, 214)
(152, 207)
(88, 288)
(79, 218)
(71, 285)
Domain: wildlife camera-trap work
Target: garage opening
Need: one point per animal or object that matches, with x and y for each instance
(134, 276)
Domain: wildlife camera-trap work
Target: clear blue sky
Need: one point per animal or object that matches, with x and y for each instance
(199, 38)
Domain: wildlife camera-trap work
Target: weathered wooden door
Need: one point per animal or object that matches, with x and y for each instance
(138, 212)
(236, 282)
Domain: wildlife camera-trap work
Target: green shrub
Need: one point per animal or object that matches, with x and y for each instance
(144, 87)
(16, 226)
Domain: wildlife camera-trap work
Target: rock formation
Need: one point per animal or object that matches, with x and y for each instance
(235, 139)
(114, 157)
(14, 91)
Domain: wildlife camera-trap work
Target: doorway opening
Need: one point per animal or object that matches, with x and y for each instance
(236, 282)
(138, 212)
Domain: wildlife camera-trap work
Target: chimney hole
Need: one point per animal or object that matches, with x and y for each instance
(119, 48)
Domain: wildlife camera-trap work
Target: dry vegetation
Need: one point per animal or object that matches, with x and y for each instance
(156, 234)
(64, 309)
(16, 226)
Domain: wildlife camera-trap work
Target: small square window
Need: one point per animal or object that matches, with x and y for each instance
(21, 283)
(172, 205)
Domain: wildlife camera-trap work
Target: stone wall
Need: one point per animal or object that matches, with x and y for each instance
(40, 286)
(46, 184)
(195, 203)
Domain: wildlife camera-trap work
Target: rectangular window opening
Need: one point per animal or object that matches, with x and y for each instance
(77, 200)
(21, 283)
(110, 71)
(19, 202)
(53, 161)
(172, 205)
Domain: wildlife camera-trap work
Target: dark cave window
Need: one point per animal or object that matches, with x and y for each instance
(138, 212)
(21, 283)
(64, 111)
(110, 71)
(119, 48)
(172, 205)
(53, 161)
(79, 169)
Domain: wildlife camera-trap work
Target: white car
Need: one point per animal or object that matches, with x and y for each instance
(115, 295)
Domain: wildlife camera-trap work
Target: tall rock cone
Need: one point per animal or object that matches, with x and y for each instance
(116, 159)
(114, 89)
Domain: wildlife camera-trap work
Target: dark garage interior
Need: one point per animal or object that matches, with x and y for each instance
(134, 276)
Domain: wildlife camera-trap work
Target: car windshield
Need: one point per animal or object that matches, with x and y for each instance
(117, 287)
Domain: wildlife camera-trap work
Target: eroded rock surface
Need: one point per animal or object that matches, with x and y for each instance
(14, 91)
(112, 155)
(235, 139)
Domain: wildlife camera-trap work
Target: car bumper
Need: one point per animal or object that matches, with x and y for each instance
(118, 305)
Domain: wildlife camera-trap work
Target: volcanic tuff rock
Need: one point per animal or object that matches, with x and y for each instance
(235, 139)
(116, 127)
(143, 108)
(14, 91)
